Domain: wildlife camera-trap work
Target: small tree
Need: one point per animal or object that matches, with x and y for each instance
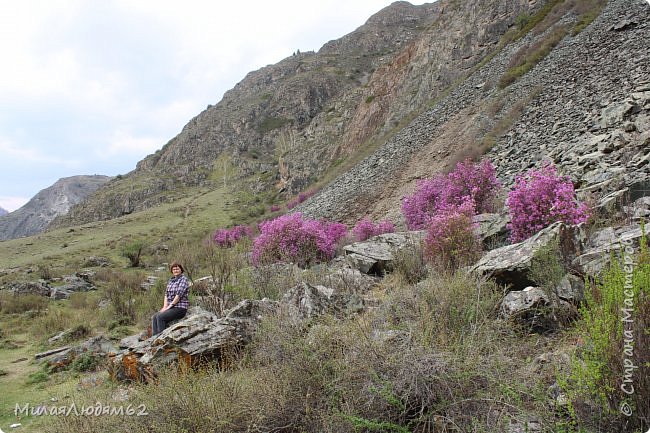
(223, 265)
(539, 198)
(133, 252)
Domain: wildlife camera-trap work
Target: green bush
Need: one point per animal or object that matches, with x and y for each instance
(133, 252)
(528, 57)
(271, 123)
(85, 362)
(612, 359)
(40, 376)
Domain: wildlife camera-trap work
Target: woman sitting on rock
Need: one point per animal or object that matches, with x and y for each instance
(176, 300)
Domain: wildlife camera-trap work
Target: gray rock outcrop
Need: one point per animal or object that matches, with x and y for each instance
(536, 309)
(48, 204)
(602, 244)
(510, 265)
(376, 255)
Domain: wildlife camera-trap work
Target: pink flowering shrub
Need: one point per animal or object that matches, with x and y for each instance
(365, 229)
(477, 182)
(300, 198)
(275, 208)
(539, 198)
(290, 238)
(227, 238)
(451, 240)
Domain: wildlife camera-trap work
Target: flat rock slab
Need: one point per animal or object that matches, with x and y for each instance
(510, 265)
(376, 255)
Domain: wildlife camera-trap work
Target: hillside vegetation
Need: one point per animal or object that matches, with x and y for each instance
(532, 116)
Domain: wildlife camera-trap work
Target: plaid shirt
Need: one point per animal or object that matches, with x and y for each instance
(178, 286)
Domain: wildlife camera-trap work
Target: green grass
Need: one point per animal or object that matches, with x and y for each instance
(195, 214)
(16, 389)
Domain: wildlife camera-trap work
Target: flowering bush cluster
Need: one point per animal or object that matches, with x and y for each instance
(227, 238)
(365, 229)
(539, 198)
(300, 198)
(477, 182)
(290, 238)
(275, 208)
(451, 239)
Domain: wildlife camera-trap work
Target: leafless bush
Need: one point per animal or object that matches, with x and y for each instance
(123, 291)
(11, 303)
(409, 263)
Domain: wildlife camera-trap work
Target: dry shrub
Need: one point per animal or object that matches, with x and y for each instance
(187, 252)
(272, 281)
(445, 309)
(52, 322)
(198, 401)
(11, 303)
(128, 301)
(409, 264)
(223, 264)
(82, 301)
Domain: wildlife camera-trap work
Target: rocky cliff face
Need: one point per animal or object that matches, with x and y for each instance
(585, 107)
(49, 203)
(299, 118)
(3, 211)
(418, 88)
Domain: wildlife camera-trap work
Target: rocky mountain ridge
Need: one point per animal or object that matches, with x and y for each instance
(286, 125)
(588, 116)
(49, 203)
(3, 211)
(418, 88)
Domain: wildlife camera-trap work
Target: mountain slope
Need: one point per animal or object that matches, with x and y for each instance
(285, 125)
(554, 112)
(414, 90)
(49, 203)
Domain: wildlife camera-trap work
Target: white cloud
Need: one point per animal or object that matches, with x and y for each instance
(125, 144)
(12, 203)
(27, 155)
(95, 86)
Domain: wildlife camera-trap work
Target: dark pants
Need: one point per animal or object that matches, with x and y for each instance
(159, 320)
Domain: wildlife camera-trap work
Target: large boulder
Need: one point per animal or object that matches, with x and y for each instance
(536, 309)
(201, 336)
(305, 301)
(600, 246)
(40, 288)
(341, 275)
(492, 229)
(376, 255)
(511, 265)
(79, 282)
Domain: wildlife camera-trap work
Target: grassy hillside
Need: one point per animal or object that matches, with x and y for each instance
(191, 217)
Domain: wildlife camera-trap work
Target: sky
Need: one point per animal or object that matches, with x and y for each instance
(92, 87)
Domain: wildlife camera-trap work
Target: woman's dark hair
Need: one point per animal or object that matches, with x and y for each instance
(174, 264)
